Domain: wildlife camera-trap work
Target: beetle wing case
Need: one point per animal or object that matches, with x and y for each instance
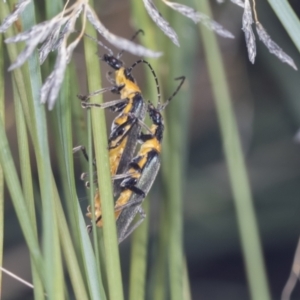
(128, 213)
(132, 138)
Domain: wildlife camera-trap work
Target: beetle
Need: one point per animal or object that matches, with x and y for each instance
(140, 176)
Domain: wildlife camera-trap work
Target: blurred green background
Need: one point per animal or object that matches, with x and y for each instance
(267, 107)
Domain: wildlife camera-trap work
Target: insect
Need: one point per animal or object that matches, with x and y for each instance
(140, 176)
(125, 129)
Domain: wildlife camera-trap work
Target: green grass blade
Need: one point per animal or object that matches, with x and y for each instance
(152, 39)
(13, 51)
(51, 246)
(103, 172)
(288, 19)
(53, 7)
(62, 122)
(187, 295)
(139, 239)
(11, 177)
(78, 118)
(26, 175)
(169, 248)
(138, 259)
(95, 285)
(248, 228)
(2, 108)
(174, 151)
(181, 63)
(15, 190)
(75, 271)
(159, 280)
(91, 197)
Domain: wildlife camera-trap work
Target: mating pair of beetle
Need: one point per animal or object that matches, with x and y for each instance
(132, 176)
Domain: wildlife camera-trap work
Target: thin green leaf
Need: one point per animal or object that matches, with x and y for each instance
(288, 18)
(139, 238)
(18, 75)
(62, 124)
(35, 117)
(159, 280)
(187, 295)
(174, 154)
(26, 175)
(62, 120)
(154, 39)
(246, 217)
(2, 90)
(138, 259)
(11, 178)
(69, 252)
(103, 172)
(169, 247)
(78, 118)
(95, 286)
(18, 200)
(92, 193)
